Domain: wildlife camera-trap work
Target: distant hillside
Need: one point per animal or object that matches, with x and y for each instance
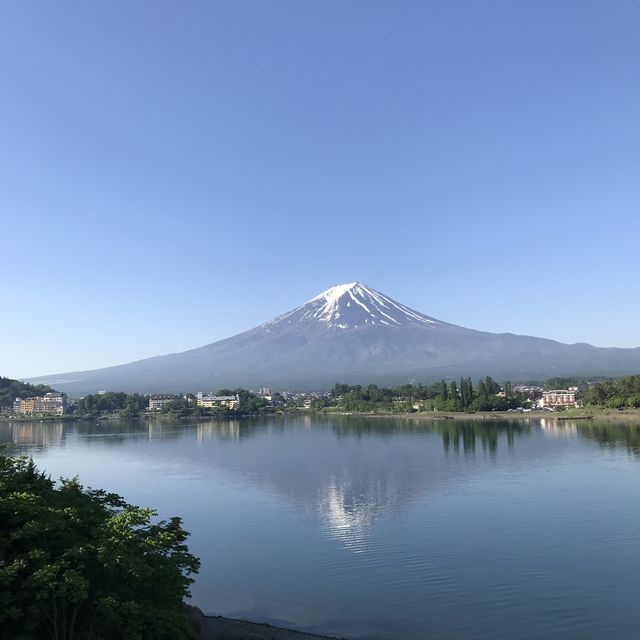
(12, 389)
(357, 335)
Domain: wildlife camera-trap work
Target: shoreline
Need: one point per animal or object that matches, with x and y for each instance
(221, 628)
(630, 415)
(144, 416)
(627, 415)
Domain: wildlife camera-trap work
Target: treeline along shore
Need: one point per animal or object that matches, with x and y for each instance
(448, 396)
(486, 395)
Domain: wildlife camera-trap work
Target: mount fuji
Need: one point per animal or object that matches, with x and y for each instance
(351, 333)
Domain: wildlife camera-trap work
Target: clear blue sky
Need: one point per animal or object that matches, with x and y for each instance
(172, 173)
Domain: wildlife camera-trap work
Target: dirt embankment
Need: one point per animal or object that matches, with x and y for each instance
(219, 628)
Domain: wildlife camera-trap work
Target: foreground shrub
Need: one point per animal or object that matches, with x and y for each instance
(83, 564)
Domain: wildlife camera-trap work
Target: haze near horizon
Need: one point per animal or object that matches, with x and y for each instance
(174, 175)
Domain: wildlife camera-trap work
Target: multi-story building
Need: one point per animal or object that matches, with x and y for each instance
(53, 403)
(210, 401)
(160, 400)
(24, 405)
(559, 398)
(50, 403)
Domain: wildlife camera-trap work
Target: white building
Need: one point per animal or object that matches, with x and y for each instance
(160, 400)
(559, 398)
(210, 401)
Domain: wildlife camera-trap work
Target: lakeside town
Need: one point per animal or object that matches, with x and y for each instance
(447, 395)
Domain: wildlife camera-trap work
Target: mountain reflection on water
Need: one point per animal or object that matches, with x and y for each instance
(457, 435)
(348, 487)
(364, 473)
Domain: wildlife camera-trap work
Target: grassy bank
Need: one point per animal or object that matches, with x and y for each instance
(628, 415)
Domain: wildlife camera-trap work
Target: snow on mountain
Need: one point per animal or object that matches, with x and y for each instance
(352, 305)
(350, 333)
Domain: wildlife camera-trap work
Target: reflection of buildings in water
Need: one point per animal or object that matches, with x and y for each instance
(46, 434)
(227, 430)
(163, 430)
(158, 430)
(559, 428)
(5, 433)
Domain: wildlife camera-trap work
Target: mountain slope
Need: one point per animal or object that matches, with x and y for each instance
(351, 333)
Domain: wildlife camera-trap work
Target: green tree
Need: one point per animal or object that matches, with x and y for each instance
(88, 404)
(453, 394)
(83, 564)
(12, 389)
(179, 405)
(466, 393)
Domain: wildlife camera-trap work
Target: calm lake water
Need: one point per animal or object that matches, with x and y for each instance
(386, 528)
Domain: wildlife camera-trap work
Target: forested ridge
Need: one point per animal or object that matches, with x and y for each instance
(12, 389)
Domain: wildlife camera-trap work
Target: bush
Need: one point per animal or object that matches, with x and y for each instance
(615, 403)
(82, 563)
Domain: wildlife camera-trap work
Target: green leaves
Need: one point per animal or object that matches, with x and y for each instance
(82, 563)
(614, 394)
(443, 396)
(12, 389)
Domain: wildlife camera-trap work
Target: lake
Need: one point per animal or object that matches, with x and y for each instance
(385, 528)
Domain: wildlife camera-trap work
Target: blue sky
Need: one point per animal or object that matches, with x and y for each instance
(173, 173)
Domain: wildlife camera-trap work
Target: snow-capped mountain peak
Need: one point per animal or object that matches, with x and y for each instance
(353, 305)
(354, 334)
